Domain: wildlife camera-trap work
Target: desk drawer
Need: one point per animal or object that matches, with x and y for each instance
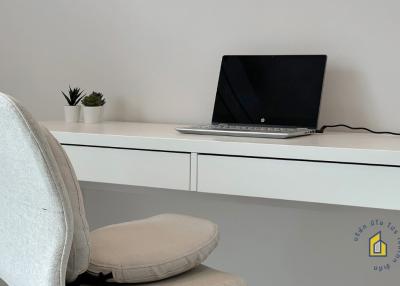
(131, 167)
(333, 183)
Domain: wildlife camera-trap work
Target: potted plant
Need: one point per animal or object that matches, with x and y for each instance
(72, 110)
(93, 107)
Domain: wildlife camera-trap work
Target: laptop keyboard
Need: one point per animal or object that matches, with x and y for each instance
(250, 128)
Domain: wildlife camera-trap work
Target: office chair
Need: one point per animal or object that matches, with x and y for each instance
(45, 238)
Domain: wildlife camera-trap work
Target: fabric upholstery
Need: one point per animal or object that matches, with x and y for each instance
(199, 276)
(36, 222)
(152, 249)
(78, 261)
(43, 226)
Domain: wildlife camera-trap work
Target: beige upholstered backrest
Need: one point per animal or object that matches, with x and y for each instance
(40, 203)
(78, 261)
(36, 223)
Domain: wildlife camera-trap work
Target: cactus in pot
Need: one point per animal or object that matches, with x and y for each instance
(72, 110)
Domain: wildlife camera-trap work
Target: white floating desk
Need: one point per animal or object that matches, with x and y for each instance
(338, 168)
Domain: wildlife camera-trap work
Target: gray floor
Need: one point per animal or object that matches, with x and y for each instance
(268, 242)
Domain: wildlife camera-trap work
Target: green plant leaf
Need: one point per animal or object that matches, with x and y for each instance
(79, 99)
(94, 99)
(66, 97)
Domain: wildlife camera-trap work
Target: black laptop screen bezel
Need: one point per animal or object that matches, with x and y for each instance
(313, 120)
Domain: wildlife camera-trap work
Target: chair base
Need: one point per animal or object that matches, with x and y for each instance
(200, 276)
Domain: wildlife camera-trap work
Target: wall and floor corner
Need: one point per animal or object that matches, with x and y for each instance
(157, 61)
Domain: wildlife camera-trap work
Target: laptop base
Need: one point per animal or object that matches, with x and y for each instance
(246, 131)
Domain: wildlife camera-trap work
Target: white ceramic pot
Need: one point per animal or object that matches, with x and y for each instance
(92, 114)
(72, 113)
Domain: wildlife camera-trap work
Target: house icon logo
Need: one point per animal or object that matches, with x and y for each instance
(382, 239)
(377, 247)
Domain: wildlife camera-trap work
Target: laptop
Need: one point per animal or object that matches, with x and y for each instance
(274, 96)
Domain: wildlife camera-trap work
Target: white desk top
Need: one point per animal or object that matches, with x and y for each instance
(333, 146)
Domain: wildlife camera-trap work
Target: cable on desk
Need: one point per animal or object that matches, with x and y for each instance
(322, 129)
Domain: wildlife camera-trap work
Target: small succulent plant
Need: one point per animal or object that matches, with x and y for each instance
(94, 99)
(74, 96)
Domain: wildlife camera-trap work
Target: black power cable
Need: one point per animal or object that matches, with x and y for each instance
(322, 129)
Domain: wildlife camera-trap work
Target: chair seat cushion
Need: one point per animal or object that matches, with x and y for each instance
(199, 276)
(151, 249)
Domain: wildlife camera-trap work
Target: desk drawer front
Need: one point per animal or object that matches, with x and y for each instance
(131, 167)
(333, 183)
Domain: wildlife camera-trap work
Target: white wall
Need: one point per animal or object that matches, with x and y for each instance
(158, 60)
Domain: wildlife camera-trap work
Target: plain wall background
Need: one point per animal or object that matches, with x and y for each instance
(158, 61)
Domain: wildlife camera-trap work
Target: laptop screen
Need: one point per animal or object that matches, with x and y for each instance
(270, 90)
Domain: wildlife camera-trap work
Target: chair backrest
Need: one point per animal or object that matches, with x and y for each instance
(40, 205)
(78, 261)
